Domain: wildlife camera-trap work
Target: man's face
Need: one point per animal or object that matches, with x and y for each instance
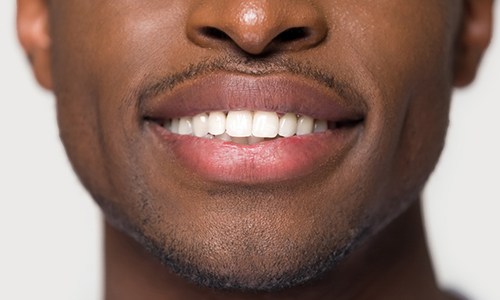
(274, 213)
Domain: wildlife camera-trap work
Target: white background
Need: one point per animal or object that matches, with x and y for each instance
(50, 237)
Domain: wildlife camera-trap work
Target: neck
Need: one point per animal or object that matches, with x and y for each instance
(394, 264)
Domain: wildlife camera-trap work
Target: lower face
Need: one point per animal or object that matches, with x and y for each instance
(263, 213)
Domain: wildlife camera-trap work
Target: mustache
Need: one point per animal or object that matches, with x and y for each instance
(252, 67)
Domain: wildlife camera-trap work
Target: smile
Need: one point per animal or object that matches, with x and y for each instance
(244, 129)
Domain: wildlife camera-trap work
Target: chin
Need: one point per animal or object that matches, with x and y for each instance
(257, 273)
(261, 261)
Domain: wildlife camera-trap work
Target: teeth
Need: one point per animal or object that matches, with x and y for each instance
(265, 124)
(224, 137)
(254, 140)
(174, 126)
(240, 140)
(185, 126)
(239, 123)
(288, 125)
(217, 123)
(320, 126)
(200, 125)
(245, 127)
(305, 125)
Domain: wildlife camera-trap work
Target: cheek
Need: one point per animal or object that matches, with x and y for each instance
(415, 105)
(100, 50)
(103, 48)
(402, 56)
(417, 84)
(422, 137)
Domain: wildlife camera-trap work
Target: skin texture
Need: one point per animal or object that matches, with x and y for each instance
(403, 57)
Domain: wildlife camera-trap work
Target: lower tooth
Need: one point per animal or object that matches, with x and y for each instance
(240, 140)
(225, 137)
(254, 140)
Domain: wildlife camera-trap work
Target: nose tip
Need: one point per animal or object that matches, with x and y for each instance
(257, 26)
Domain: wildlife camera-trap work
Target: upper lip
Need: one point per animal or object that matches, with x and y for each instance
(281, 93)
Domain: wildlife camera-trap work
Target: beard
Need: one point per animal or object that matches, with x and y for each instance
(240, 257)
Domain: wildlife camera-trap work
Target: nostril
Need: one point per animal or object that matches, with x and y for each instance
(214, 33)
(292, 34)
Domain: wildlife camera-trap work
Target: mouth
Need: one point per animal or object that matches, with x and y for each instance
(246, 129)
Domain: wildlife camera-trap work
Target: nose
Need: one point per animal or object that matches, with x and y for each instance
(257, 26)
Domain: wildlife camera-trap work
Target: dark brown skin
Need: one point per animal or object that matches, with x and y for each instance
(403, 56)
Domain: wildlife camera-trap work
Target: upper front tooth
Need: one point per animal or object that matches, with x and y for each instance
(200, 125)
(217, 123)
(265, 124)
(305, 125)
(185, 126)
(239, 123)
(288, 125)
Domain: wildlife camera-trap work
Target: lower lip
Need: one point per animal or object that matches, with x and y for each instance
(270, 161)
